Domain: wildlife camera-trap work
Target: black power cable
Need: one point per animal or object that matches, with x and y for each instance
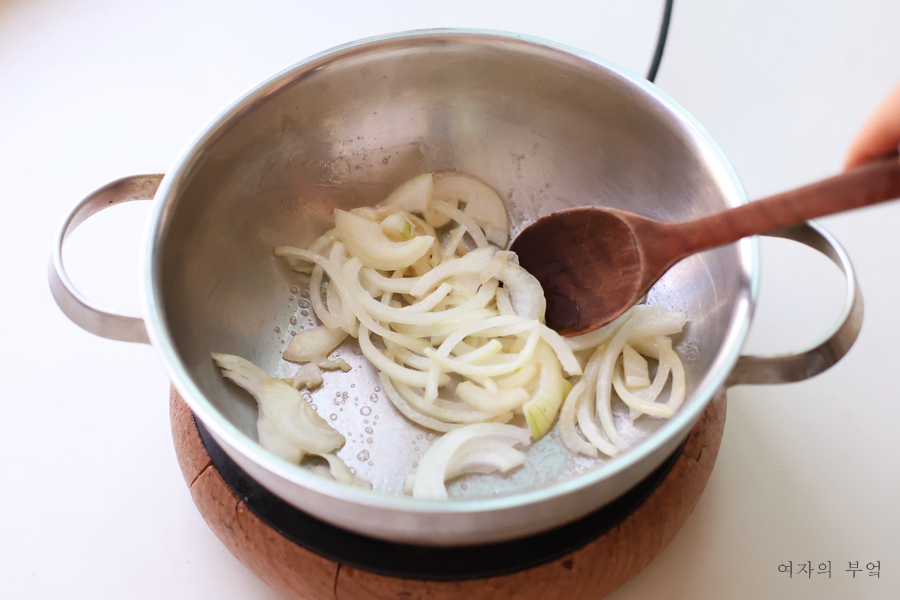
(660, 41)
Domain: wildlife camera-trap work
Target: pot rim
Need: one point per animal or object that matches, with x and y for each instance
(232, 437)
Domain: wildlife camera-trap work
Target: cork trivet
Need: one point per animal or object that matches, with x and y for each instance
(593, 571)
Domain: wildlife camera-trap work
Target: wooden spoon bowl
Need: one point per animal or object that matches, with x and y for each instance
(595, 263)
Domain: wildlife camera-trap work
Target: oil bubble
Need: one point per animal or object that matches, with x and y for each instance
(304, 313)
(333, 417)
(295, 289)
(369, 429)
(363, 456)
(293, 320)
(277, 329)
(303, 303)
(365, 411)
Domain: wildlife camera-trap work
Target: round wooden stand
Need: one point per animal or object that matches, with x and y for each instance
(593, 571)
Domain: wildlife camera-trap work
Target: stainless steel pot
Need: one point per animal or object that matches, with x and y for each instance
(549, 127)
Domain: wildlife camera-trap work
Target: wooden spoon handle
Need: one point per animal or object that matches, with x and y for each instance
(871, 183)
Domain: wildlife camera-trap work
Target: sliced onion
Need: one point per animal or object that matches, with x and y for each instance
(389, 284)
(473, 262)
(472, 227)
(483, 204)
(540, 411)
(443, 410)
(434, 465)
(482, 400)
(413, 195)
(525, 377)
(568, 434)
(407, 411)
(453, 244)
(339, 470)
(284, 405)
(367, 241)
(392, 369)
(276, 442)
(503, 303)
(309, 376)
(485, 456)
(594, 338)
(638, 404)
(525, 292)
(313, 344)
(636, 369)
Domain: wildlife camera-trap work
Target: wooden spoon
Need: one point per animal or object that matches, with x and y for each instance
(594, 263)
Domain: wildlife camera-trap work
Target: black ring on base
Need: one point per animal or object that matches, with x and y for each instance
(425, 562)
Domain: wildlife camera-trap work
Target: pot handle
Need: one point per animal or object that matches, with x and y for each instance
(786, 368)
(79, 309)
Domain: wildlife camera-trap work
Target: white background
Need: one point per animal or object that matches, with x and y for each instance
(93, 504)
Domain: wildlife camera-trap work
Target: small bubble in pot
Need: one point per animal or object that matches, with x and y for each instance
(277, 329)
(295, 289)
(365, 411)
(293, 320)
(293, 332)
(371, 463)
(353, 385)
(363, 456)
(304, 303)
(313, 406)
(291, 298)
(333, 417)
(369, 440)
(373, 397)
(419, 437)
(369, 429)
(305, 293)
(304, 313)
(464, 486)
(377, 389)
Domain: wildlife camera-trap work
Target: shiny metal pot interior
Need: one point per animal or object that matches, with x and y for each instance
(549, 128)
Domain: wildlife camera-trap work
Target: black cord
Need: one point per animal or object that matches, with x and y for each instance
(660, 41)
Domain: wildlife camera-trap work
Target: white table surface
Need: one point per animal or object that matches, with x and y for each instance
(94, 505)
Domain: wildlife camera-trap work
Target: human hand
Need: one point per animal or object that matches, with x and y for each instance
(880, 136)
